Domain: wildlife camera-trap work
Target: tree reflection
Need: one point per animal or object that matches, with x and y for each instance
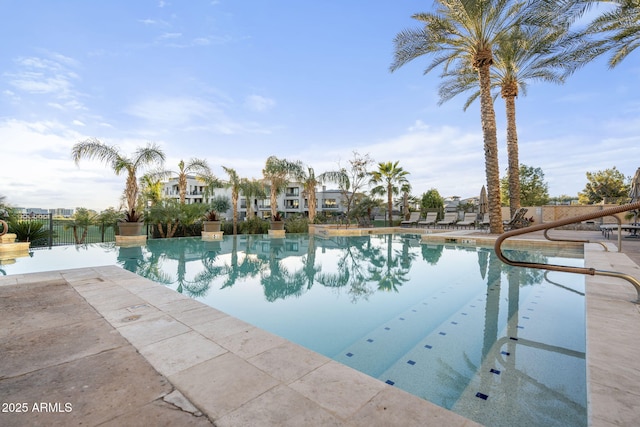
(249, 266)
(277, 281)
(352, 267)
(431, 253)
(390, 271)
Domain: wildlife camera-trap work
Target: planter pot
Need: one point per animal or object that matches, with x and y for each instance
(130, 228)
(211, 226)
(277, 225)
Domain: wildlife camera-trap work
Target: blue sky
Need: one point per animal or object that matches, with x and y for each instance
(234, 82)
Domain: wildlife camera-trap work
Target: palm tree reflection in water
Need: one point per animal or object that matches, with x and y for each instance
(364, 264)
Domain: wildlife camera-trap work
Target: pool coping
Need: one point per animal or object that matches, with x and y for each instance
(234, 372)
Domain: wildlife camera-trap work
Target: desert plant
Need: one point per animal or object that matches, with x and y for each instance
(30, 231)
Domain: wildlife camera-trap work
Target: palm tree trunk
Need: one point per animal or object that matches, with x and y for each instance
(512, 151)
(489, 133)
(274, 201)
(249, 207)
(390, 204)
(234, 201)
(182, 187)
(312, 205)
(131, 191)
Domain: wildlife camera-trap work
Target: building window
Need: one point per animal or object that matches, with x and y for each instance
(292, 192)
(291, 204)
(329, 204)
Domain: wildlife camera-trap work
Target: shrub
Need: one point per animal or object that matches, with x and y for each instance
(30, 231)
(296, 225)
(253, 226)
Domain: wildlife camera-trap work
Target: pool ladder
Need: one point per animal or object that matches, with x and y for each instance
(564, 268)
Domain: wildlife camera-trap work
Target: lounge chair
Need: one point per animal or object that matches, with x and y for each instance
(485, 222)
(450, 218)
(430, 219)
(518, 220)
(414, 217)
(469, 220)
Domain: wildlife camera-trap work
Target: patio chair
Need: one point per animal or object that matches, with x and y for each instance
(450, 218)
(430, 219)
(414, 217)
(469, 220)
(485, 222)
(518, 220)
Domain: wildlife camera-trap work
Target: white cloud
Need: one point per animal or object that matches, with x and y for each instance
(166, 36)
(259, 103)
(47, 76)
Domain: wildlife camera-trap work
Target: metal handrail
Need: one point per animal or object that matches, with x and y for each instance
(564, 268)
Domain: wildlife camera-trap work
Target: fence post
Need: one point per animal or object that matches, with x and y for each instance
(102, 231)
(50, 229)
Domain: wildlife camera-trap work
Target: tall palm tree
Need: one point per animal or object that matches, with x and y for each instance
(466, 32)
(235, 184)
(151, 155)
(616, 30)
(276, 173)
(523, 55)
(389, 178)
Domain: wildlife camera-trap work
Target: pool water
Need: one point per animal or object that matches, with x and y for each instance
(452, 324)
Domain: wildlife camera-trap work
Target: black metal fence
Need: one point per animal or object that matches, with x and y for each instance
(43, 230)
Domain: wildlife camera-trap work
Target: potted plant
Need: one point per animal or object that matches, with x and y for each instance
(276, 222)
(132, 224)
(211, 220)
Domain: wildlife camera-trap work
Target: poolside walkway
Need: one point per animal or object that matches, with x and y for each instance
(102, 346)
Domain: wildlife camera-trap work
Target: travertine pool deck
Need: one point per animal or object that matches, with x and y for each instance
(102, 346)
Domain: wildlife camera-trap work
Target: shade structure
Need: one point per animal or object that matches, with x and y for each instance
(483, 203)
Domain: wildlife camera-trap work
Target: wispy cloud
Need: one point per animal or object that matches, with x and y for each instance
(154, 22)
(52, 75)
(259, 103)
(166, 36)
(190, 114)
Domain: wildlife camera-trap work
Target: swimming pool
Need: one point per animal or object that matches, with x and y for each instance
(451, 324)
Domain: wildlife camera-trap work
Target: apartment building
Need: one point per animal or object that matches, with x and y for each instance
(291, 201)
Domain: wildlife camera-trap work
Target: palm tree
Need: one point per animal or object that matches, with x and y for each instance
(389, 178)
(523, 55)
(235, 184)
(276, 173)
(82, 219)
(617, 30)
(143, 156)
(310, 181)
(463, 33)
(196, 167)
(251, 188)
